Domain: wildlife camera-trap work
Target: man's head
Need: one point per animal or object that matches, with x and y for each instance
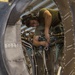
(30, 20)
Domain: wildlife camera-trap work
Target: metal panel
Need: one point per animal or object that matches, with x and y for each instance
(4, 14)
(68, 61)
(72, 6)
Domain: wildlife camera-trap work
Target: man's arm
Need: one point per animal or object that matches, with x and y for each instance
(39, 43)
(48, 20)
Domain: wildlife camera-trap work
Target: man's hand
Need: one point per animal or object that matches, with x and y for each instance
(47, 36)
(44, 43)
(38, 43)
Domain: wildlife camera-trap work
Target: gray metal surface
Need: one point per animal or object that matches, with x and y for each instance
(2, 30)
(72, 6)
(69, 50)
(14, 53)
(19, 6)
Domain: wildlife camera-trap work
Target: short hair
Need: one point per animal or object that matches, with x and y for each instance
(26, 19)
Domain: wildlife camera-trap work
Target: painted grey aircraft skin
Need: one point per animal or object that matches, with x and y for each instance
(13, 11)
(7, 13)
